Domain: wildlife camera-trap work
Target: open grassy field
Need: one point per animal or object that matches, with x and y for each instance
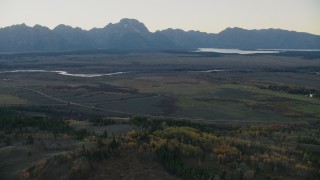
(172, 85)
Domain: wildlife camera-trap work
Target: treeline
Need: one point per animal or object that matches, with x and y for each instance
(292, 89)
(193, 150)
(156, 124)
(202, 151)
(102, 122)
(172, 161)
(11, 120)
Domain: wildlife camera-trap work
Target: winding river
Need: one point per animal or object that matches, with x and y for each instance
(64, 73)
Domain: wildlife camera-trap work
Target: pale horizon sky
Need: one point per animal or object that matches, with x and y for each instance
(210, 16)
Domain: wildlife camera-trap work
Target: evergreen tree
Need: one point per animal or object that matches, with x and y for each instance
(30, 139)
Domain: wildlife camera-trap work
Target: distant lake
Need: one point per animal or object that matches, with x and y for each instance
(258, 51)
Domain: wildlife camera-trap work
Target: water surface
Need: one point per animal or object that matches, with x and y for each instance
(64, 73)
(258, 51)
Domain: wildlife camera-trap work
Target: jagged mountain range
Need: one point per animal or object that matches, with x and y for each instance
(132, 34)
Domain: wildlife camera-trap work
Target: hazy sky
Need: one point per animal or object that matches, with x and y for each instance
(204, 15)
